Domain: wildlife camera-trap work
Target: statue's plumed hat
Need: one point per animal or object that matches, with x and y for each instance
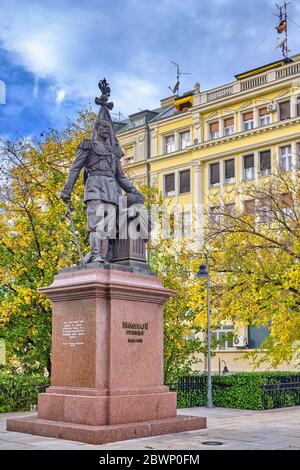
(104, 114)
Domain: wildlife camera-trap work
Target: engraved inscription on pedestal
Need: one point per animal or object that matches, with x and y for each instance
(135, 331)
(73, 333)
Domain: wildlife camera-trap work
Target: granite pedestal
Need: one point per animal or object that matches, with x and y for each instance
(107, 360)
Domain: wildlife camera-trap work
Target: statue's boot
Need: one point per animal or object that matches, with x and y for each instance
(98, 248)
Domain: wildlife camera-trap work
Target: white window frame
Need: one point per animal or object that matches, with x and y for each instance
(187, 224)
(244, 170)
(283, 100)
(218, 217)
(219, 333)
(230, 129)
(166, 144)
(138, 122)
(233, 178)
(214, 185)
(269, 171)
(263, 214)
(288, 157)
(170, 193)
(214, 135)
(187, 142)
(178, 180)
(245, 125)
(263, 118)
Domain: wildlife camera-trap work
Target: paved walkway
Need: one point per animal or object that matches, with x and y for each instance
(237, 429)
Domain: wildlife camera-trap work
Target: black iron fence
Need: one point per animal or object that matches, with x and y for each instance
(282, 391)
(245, 390)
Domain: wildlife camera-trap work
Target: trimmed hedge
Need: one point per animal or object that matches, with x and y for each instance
(242, 390)
(18, 392)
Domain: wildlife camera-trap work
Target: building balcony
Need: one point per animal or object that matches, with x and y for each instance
(244, 85)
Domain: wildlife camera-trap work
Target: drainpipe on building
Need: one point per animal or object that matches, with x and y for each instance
(148, 166)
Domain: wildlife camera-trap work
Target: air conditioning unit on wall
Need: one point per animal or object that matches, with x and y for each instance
(272, 107)
(239, 341)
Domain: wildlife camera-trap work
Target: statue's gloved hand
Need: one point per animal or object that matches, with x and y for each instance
(66, 197)
(139, 195)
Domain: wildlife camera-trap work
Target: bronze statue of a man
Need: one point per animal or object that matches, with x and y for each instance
(100, 157)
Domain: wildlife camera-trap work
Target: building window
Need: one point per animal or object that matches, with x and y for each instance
(298, 155)
(129, 153)
(265, 163)
(248, 121)
(286, 158)
(249, 206)
(224, 336)
(287, 205)
(298, 106)
(185, 139)
(214, 217)
(229, 126)
(138, 122)
(229, 214)
(248, 167)
(264, 210)
(229, 171)
(169, 184)
(186, 224)
(284, 110)
(169, 144)
(264, 117)
(215, 174)
(214, 130)
(256, 336)
(184, 181)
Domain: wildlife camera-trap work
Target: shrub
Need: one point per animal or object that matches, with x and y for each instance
(18, 392)
(245, 390)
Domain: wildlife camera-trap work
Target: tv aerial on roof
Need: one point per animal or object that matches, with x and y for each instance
(282, 28)
(175, 89)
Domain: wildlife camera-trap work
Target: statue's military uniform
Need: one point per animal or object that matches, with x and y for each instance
(103, 171)
(104, 177)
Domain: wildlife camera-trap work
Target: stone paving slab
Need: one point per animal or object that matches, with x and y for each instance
(237, 429)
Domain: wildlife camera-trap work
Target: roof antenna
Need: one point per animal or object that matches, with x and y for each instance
(119, 116)
(175, 89)
(283, 28)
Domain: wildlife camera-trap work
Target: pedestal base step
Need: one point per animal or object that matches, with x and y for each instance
(104, 434)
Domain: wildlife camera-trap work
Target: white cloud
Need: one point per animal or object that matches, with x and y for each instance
(131, 42)
(2, 92)
(60, 96)
(67, 48)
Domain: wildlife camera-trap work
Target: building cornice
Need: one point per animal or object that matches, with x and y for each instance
(241, 135)
(250, 147)
(244, 95)
(223, 140)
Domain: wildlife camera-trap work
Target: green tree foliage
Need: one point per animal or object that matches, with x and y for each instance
(35, 238)
(36, 241)
(255, 254)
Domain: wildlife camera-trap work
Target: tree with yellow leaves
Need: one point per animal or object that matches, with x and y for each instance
(255, 256)
(35, 237)
(36, 241)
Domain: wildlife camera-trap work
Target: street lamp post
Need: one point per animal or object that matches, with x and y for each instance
(203, 273)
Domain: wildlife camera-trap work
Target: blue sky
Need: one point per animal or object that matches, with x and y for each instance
(52, 54)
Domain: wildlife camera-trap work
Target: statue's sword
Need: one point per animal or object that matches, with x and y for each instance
(69, 213)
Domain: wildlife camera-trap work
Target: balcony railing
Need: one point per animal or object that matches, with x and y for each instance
(288, 71)
(220, 93)
(244, 85)
(253, 82)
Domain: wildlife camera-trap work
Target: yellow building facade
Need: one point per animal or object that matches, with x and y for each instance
(200, 148)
